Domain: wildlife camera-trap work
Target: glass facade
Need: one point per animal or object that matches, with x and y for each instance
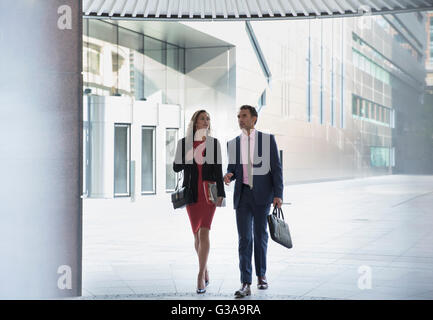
(370, 67)
(121, 62)
(118, 61)
(170, 150)
(380, 60)
(148, 160)
(380, 156)
(368, 110)
(122, 163)
(431, 40)
(399, 36)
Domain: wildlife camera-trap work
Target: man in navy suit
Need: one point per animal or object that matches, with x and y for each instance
(255, 165)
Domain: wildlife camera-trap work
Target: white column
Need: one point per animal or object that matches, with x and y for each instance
(40, 149)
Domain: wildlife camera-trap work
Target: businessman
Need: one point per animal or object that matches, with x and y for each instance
(255, 166)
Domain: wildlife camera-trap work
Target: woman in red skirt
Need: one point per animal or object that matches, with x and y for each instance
(200, 156)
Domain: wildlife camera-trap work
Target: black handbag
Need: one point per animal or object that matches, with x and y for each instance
(181, 196)
(279, 229)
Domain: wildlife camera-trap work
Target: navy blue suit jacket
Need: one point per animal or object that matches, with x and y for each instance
(267, 172)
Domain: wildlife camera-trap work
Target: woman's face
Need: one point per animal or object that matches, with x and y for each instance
(203, 121)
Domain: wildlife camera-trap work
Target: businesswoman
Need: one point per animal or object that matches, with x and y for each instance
(200, 156)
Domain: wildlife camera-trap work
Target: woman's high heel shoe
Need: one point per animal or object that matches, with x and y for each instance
(200, 291)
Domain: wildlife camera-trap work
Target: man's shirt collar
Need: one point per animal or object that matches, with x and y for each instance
(252, 133)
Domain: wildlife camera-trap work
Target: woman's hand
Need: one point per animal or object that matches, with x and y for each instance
(227, 178)
(220, 201)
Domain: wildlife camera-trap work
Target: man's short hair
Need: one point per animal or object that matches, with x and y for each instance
(252, 110)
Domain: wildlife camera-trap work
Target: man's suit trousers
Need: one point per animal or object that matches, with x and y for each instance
(251, 220)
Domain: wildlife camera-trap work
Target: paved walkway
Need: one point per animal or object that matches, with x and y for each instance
(343, 231)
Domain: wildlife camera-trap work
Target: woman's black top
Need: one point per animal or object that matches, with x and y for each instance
(211, 169)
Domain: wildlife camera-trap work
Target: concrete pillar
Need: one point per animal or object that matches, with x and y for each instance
(40, 148)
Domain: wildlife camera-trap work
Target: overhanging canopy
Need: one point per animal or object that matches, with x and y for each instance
(246, 9)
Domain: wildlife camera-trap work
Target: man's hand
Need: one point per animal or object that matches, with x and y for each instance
(278, 202)
(227, 178)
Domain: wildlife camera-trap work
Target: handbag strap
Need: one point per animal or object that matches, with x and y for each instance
(177, 183)
(182, 173)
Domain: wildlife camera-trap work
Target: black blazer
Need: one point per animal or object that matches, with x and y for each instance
(211, 169)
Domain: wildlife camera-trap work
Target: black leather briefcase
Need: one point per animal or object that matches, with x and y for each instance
(279, 229)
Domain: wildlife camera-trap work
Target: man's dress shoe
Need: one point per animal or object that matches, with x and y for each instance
(262, 284)
(244, 291)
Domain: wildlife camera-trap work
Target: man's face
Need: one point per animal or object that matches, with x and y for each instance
(245, 120)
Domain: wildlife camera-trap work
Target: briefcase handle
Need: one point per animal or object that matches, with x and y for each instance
(278, 212)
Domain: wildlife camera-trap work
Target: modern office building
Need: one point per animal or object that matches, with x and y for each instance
(92, 107)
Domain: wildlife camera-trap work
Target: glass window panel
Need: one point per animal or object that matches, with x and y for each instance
(155, 50)
(172, 57)
(148, 159)
(358, 106)
(99, 41)
(155, 69)
(170, 150)
(133, 44)
(355, 59)
(121, 159)
(387, 78)
(181, 61)
(91, 58)
(121, 71)
(173, 76)
(102, 30)
(379, 156)
(367, 66)
(367, 109)
(130, 39)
